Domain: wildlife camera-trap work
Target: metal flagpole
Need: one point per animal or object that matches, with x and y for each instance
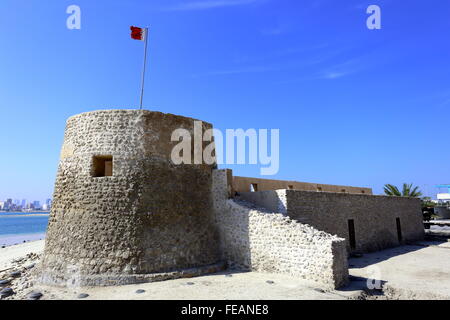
(143, 69)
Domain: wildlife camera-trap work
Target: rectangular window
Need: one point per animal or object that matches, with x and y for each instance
(319, 189)
(102, 166)
(291, 187)
(254, 187)
(351, 234)
(399, 230)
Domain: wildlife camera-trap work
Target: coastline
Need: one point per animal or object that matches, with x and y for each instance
(24, 212)
(24, 215)
(9, 240)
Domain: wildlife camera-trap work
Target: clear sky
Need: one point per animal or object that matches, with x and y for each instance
(354, 106)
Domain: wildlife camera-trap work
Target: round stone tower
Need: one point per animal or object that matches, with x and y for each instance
(123, 212)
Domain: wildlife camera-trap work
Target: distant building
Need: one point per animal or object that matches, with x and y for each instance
(8, 204)
(36, 205)
(48, 205)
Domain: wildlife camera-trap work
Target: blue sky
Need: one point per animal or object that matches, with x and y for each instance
(354, 106)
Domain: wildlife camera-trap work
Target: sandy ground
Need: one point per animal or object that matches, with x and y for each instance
(8, 254)
(223, 285)
(419, 271)
(10, 240)
(218, 286)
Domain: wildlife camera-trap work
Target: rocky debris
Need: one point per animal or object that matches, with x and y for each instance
(15, 274)
(34, 295)
(140, 291)
(5, 282)
(19, 278)
(270, 282)
(319, 290)
(228, 275)
(190, 283)
(82, 295)
(6, 292)
(30, 266)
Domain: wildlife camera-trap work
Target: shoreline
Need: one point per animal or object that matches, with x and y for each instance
(25, 212)
(25, 215)
(9, 240)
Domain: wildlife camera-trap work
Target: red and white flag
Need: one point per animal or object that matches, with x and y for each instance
(141, 34)
(138, 33)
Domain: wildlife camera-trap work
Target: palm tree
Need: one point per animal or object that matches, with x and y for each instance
(407, 191)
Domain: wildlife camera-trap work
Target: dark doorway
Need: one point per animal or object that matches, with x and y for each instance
(351, 234)
(399, 230)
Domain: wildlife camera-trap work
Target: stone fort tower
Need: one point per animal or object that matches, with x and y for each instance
(122, 210)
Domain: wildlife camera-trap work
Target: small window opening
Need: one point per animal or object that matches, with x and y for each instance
(362, 191)
(399, 230)
(319, 189)
(253, 187)
(102, 166)
(343, 191)
(291, 187)
(351, 234)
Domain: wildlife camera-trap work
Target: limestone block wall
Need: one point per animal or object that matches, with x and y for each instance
(374, 217)
(242, 184)
(271, 200)
(252, 238)
(145, 218)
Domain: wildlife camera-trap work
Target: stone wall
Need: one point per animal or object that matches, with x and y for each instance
(144, 219)
(242, 184)
(374, 217)
(274, 200)
(255, 239)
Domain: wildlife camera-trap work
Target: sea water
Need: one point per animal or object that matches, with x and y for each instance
(17, 227)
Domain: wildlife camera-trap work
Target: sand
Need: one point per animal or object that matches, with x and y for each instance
(9, 240)
(223, 285)
(8, 254)
(419, 271)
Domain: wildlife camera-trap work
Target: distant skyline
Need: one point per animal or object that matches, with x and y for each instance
(28, 200)
(354, 106)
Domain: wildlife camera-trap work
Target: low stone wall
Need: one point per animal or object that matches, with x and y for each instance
(374, 217)
(242, 184)
(274, 201)
(255, 239)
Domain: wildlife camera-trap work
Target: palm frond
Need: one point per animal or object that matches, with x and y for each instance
(391, 190)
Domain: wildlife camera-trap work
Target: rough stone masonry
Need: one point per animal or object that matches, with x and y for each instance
(148, 217)
(123, 212)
